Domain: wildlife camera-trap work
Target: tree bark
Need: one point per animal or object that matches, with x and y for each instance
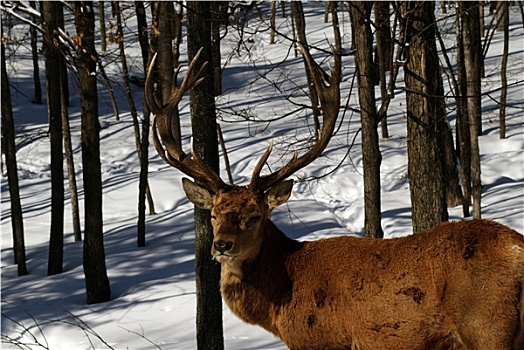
(166, 71)
(34, 52)
(297, 11)
(97, 283)
(143, 39)
(9, 148)
(371, 156)
(203, 120)
(384, 54)
(424, 109)
(52, 15)
(462, 124)
(102, 21)
(503, 67)
(472, 61)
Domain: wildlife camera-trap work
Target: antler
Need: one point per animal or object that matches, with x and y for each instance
(329, 96)
(173, 153)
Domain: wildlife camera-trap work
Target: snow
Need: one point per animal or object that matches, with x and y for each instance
(153, 290)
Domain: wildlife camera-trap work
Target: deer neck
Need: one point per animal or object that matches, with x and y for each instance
(255, 290)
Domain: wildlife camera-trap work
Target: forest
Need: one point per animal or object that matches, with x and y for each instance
(429, 129)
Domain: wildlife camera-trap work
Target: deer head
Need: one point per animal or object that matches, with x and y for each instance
(238, 212)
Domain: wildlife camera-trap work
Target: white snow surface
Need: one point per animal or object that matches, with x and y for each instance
(153, 288)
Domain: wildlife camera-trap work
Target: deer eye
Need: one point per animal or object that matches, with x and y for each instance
(253, 220)
(213, 217)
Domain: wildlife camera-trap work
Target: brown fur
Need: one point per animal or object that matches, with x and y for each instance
(457, 286)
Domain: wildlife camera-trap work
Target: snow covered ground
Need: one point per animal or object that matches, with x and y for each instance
(153, 289)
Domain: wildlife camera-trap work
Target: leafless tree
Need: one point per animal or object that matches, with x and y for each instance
(9, 149)
(97, 283)
(371, 156)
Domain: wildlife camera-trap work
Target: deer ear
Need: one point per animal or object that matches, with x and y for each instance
(197, 194)
(279, 194)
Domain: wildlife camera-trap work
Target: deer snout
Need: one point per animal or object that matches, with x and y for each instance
(223, 246)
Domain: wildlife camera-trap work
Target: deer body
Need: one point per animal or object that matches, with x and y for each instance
(457, 286)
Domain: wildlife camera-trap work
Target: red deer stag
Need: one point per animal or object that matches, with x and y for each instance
(457, 286)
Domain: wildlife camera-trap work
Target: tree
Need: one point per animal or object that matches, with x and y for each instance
(383, 53)
(9, 148)
(297, 11)
(203, 121)
(504, 22)
(141, 21)
(97, 282)
(424, 103)
(165, 18)
(34, 52)
(462, 124)
(143, 187)
(472, 64)
(371, 157)
(53, 17)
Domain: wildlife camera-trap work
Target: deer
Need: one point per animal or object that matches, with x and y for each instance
(459, 285)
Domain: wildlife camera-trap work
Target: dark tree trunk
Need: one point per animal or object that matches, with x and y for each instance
(68, 148)
(102, 21)
(449, 163)
(141, 234)
(504, 9)
(53, 16)
(424, 110)
(34, 53)
(371, 156)
(143, 39)
(462, 124)
(472, 62)
(166, 16)
(384, 54)
(218, 20)
(203, 120)
(9, 148)
(473, 58)
(297, 11)
(97, 282)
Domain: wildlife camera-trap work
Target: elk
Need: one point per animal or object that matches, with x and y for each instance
(459, 285)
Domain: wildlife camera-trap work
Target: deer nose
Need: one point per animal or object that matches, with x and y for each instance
(223, 246)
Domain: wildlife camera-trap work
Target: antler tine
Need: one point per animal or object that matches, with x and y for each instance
(170, 151)
(262, 161)
(329, 96)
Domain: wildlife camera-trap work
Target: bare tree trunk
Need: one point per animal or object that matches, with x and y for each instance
(273, 22)
(218, 16)
(371, 156)
(102, 22)
(97, 283)
(481, 17)
(424, 110)
(141, 234)
(503, 78)
(203, 120)
(500, 13)
(105, 79)
(9, 148)
(68, 148)
(297, 12)
(472, 67)
(143, 39)
(52, 15)
(336, 27)
(383, 59)
(165, 16)
(34, 52)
